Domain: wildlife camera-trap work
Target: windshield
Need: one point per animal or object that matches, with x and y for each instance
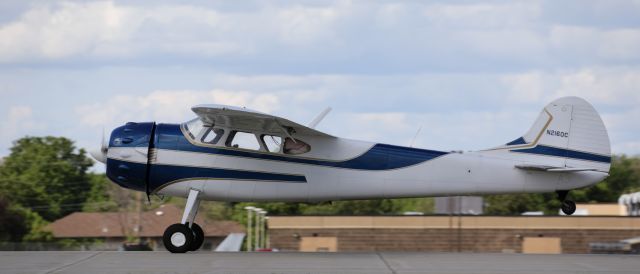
(193, 127)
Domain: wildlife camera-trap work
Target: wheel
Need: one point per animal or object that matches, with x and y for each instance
(568, 207)
(178, 238)
(198, 237)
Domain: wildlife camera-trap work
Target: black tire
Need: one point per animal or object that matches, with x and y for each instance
(568, 207)
(178, 238)
(198, 237)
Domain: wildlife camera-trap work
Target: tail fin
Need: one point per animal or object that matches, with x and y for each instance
(570, 128)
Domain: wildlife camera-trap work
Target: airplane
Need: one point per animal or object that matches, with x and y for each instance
(236, 154)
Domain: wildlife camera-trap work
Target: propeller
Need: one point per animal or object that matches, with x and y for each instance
(101, 155)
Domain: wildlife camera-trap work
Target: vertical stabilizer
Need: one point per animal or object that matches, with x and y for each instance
(568, 128)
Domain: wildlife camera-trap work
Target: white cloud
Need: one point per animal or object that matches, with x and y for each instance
(18, 122)
(106, 29)
(484, 15)
(168, 106)
(374, 127)
(303, 25)
(70, 29)
(324, 36)
(623, 130)
(460, 130)
(610, 86)
(525, 87)
(589, 42)
(461, 70)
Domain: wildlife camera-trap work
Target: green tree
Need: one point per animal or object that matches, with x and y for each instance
(101, 196)
(624, 177)
(13, 225)
(514, 204)
(424, 205)
(21, 224)
(46, 175)
(361, 207)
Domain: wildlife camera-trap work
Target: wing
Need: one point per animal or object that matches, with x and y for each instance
(250, 120)
(552, 168)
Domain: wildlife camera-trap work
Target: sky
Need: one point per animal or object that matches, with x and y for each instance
(466, 74)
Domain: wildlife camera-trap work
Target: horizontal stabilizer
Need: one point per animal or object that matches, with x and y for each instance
(553, 168)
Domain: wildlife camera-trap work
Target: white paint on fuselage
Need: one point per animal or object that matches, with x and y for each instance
(486, 172)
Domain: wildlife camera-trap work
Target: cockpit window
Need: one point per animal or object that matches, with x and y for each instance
(294, 148)
(245, 140)
(272, 142)
(193, 127)
(212, 136)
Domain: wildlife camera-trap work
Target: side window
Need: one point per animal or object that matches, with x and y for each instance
(294, 148)
(272, 142)
(212, 135)
(239, 139)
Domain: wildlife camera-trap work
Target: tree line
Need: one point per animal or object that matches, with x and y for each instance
(46, 178)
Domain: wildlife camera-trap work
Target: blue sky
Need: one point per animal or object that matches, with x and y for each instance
(471, 74)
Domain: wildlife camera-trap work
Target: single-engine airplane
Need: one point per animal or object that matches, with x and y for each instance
(236, 154)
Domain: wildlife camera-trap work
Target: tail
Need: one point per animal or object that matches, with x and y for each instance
(571, 130)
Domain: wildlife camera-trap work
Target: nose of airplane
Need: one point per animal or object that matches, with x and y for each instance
(126, 155)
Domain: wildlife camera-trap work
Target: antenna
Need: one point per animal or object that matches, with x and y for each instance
(415, 136)
(319, 118)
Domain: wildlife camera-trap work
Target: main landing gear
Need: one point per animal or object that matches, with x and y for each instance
(568, 207)
(186, 235)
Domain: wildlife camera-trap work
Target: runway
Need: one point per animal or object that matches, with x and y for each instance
(210, 262)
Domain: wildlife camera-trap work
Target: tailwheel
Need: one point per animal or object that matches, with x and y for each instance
(178, 238)
(568, 207)
(198, 237)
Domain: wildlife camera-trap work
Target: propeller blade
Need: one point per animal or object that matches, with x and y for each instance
(104, 145)
(101, 155)
(98, 156)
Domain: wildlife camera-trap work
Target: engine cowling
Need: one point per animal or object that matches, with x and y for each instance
(128, 155)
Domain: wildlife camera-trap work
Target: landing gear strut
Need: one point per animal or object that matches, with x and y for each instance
(568, 207)
(186, 235)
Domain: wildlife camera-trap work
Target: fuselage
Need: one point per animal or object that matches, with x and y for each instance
(165, 159)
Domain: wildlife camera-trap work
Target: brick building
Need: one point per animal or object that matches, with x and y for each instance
(527, 234)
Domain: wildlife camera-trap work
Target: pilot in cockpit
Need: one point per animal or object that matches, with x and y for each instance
(295, 147)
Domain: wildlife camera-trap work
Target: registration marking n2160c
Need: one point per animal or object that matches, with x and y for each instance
(558, 133)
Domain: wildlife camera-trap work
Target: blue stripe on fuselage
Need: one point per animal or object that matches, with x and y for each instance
(162, 174)
(560, 152)
(379, 157)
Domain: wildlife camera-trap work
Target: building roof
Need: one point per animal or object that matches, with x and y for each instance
(119, 224)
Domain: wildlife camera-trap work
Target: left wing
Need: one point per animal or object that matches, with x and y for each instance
(251, 120)
(552, 168)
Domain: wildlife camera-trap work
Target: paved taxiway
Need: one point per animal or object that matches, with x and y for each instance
(207, 262)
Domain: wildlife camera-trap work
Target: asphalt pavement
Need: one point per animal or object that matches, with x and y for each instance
(384, 262)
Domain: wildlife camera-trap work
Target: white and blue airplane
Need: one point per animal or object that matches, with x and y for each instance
(240, 155)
